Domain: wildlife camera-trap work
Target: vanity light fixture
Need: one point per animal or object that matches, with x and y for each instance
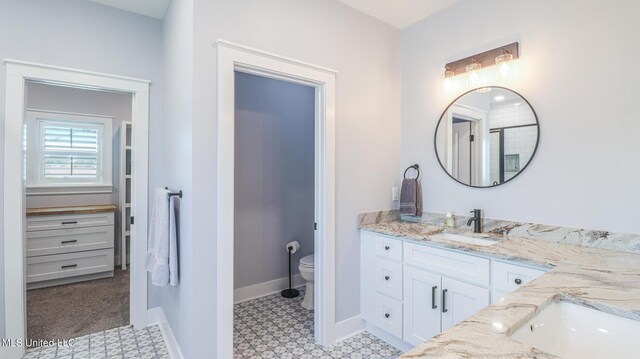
(498, 98)
(474, 67)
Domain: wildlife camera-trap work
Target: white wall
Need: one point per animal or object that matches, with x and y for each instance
(579, 70)
(274, 177)
(80, 34)
(180, 303)
(327, 33)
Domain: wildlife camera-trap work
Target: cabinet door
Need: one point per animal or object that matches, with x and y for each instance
(460, 301)
(421, 306)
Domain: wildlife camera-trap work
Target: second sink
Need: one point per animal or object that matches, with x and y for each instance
(471, 238)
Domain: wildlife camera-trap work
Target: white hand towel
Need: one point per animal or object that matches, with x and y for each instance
(162, 258)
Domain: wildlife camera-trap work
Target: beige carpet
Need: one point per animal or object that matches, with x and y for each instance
(73, 310)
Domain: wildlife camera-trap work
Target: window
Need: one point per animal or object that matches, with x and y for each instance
(68, 150)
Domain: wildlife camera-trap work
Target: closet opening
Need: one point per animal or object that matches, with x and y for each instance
(78, 210)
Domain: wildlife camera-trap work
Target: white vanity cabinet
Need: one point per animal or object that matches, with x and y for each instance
(434, 301)
(412, 291)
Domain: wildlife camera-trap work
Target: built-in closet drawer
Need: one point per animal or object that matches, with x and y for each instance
(41, 223)
(69, 240)
(388, 278)
(386, 314)
(388, 248)
(455, 265)
(59, 266)
(507, 277)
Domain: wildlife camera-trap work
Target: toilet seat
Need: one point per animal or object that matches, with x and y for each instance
(307, 261)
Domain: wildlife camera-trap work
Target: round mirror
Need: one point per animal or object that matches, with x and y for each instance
(487, 137)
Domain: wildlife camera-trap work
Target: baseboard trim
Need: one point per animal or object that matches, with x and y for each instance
(156, 316)
(266, 288)
(349, 327)
(387, 338)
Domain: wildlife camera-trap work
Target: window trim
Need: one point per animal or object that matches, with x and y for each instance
(34, 183)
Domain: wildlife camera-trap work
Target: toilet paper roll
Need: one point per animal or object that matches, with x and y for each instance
(293, 244)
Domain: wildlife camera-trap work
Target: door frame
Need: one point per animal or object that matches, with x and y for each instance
(480, 121)
(231, 58)
(17, 75)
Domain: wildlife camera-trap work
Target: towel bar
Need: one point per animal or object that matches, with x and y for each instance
(179, 193)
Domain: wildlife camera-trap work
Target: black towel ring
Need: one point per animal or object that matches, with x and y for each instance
(415, 167)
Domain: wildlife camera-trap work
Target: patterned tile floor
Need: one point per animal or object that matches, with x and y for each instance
(276, 327)
(123, 342)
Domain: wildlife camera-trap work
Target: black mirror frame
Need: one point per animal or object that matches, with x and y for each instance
(535, 150)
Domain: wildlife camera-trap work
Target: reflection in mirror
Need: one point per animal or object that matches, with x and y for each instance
(486, 137)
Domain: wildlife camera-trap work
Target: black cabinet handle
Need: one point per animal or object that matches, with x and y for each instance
(518, 281)
(386, 277)
(71, 241)
(433, 297)
(444, 301)
(387, 315)
(386, 248)
(69, 266)
(70, 222)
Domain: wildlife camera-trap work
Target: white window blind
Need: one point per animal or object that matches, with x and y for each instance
(71, 151)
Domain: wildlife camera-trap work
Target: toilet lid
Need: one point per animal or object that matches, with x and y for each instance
(307, 261)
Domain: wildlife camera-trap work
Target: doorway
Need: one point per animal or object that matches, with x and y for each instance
(19, 258)
(234, 58)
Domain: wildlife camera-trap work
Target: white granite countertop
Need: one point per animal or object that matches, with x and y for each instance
(605, 280)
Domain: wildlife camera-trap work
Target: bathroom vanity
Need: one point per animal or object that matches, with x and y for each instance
(489, 299)
(413, 290)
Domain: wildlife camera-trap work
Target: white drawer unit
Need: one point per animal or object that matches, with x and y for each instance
(66, 221)
(453, 264)
(69, 244)
(508, 277)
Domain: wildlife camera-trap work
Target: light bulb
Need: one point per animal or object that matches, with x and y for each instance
(504, 70)
(474, 77)
(449, 84)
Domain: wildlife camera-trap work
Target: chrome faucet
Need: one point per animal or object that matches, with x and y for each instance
(477, 221)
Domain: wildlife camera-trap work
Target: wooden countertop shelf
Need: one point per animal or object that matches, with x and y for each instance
(101, 208)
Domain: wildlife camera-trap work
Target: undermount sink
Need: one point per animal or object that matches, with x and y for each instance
(478, 239)
(573, 331)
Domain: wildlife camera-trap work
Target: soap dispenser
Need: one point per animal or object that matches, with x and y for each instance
(449, 222)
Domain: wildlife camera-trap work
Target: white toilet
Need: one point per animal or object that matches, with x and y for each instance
(306, 272)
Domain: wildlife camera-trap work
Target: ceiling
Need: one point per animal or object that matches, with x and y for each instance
(399, 13)
(151, 8)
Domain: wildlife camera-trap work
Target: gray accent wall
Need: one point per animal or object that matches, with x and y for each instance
(274, 176)
(84, 35)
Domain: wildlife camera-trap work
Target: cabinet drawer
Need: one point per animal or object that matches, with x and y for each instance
(455, 265)
(388, 248)
(387, 315)
(69, 265)
(388, 278)
(40, 223)
(69, 240)
(509, 277)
